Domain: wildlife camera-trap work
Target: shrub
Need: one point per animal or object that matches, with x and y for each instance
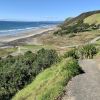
(74, 68)
(50, 83)
(72, 35)
(72, 53)
(94, 26)
(55, 33)
(17, 72)
(75, 28)
(44, 59)
(87, 51)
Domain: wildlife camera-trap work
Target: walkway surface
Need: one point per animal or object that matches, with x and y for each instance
(85, 86)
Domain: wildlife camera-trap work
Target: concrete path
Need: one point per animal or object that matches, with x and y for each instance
(85, 86)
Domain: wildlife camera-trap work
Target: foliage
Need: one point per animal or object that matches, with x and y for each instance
(51, 82)
(72, 35)
(87, 51)
(84, 22)
(84, 16)
(78, 27)
(72, 53)
(94, 26)
(17, 72)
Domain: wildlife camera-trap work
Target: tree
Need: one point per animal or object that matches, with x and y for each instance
(17, 72)
(45, 58)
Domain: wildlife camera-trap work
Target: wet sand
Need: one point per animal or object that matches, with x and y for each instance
(13, 40)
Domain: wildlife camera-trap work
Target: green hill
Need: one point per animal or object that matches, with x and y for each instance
(93, 19)
(84, 22)
(83, 16)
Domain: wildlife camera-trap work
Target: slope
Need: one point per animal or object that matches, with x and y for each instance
(51, 82)
(93, 19)
(80, 17)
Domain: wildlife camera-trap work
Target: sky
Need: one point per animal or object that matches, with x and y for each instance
(45, 10)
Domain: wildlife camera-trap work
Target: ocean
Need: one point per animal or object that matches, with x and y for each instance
(15, 27)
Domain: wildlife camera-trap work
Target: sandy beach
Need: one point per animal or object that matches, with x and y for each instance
(13, 39)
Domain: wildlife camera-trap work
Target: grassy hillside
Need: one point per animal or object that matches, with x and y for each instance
(95, 18)
(23, 69)
(80, 17)
(84, 22)
(7, 51)
(50, 83)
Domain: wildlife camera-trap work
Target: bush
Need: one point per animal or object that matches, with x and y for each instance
(74, 68)
(50, 83)
(44, 59)
(75, 28)
(94, 26)
(72, 53)
(72, 35)
(55, 33)
(87, 51)
(17, 72)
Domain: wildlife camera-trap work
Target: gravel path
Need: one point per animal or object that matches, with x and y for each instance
(85, 86)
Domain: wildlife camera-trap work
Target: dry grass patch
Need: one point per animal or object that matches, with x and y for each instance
(66, 40)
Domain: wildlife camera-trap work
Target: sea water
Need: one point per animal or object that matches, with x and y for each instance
(15, 27)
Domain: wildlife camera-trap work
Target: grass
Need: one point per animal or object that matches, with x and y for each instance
(98, 42)
(98, 55)
(7, 51)
(50, 83)
(56, 42)
(66, 40)
(34, 48)
(95, 18)
(51, 41)
(98, 47)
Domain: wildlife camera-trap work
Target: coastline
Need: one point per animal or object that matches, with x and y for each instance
(11, 40)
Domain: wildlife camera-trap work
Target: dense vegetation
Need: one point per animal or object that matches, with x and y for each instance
(80, 26)
(17, 72)
(82, 16)
(87, 51)
(72, 53)
(49, 84)
(80, 23)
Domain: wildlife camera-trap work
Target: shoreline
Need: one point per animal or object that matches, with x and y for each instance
(8, 41)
